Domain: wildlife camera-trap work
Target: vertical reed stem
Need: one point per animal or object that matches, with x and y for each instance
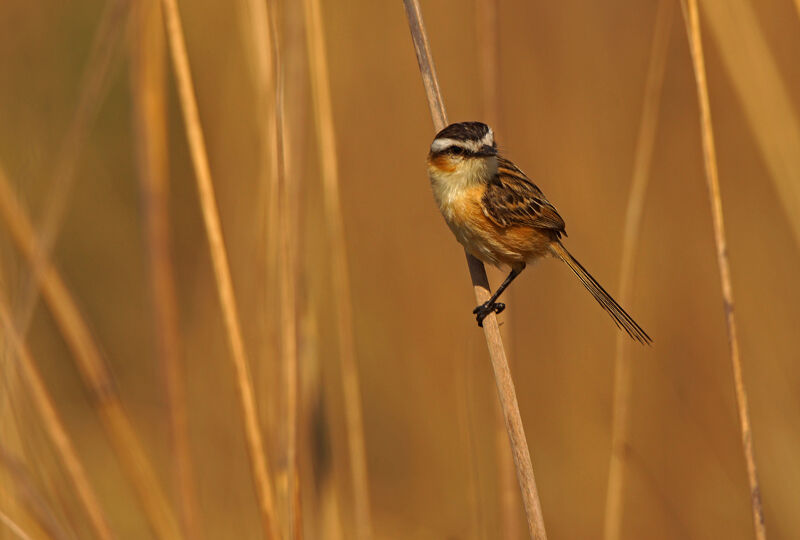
(15, 529)
(643, 155)
(480, 283)
(219, 258)
(692, 20)
(92, 366)
(148, 76)
(29, 496)
(288, 308)
(340, 276)
(95, 82)
(51, 421)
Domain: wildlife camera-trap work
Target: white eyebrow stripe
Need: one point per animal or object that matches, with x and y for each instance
(472, 146)
(488, 139)
(440, 144)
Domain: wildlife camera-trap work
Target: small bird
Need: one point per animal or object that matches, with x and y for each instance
(501, 217)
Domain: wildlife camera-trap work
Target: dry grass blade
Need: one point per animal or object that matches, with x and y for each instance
(645, 143)
(257, 21)
(148, 75)
(692, 21)
(92, 368)
(95, 82)
(15, 529)
(466, 432)
(340, 275)
(766, 100)
(219, 258)
(502, 374)
(288, 309)
(54, 426)
(28, 495)
(486, 36)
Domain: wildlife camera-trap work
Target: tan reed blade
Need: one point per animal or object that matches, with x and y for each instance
(92, 367)
(765, 96)
(40, 516)
(287, 236)
(692, 20)
(194, 133)
(51, 421)
(148, 90)
(502, 374)
(340, 275)
(643, 155)
(15, 529)
(93, 91)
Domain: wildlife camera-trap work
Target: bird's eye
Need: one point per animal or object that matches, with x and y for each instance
(456, 150)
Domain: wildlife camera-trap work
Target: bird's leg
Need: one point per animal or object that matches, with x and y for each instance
(491, 305)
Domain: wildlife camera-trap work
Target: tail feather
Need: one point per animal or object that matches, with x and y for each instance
(619, 315)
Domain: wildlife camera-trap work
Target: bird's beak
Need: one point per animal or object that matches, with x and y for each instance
(487, 150)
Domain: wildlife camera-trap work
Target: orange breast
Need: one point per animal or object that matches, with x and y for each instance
(489, 242)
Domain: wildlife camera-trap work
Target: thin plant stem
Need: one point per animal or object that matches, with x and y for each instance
(15, 529)
(54, 427)
(258, 21)
(467, 436)
(92, 367)
(288, 309)
(487, 44)
(767, 101)
(340, 275)
(28, 494)
(194, 132)
(148, 89)
(93, 91)
(480, 283)
(643, 155)
(692, 20)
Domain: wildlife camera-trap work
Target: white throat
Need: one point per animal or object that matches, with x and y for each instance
(449, 187)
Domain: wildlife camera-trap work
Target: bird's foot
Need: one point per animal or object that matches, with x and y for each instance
(483, 310)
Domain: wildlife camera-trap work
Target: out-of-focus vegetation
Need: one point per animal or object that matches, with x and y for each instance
(571, 77)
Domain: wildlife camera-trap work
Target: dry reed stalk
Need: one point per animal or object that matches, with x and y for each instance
(148, 89)
(12, 526)
(219, 258)
(462, 375)
(480, 283)
(643, 155)
(258, 21)
(329, 513)
(692, 21)
(92, 367)
(288, 311)
(487, 44)
(766, 99)
(41, 515)
(53, 426)
(340, 274)
(94, 89)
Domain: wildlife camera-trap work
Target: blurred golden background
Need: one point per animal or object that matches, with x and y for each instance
(569, 93)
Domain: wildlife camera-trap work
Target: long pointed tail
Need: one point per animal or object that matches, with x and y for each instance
(621, 318)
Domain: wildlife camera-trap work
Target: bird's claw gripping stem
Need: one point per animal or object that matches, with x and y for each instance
(483, 310)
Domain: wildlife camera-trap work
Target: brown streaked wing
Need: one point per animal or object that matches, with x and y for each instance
(512, 199)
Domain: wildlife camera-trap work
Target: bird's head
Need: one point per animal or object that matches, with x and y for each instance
(463, 149)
